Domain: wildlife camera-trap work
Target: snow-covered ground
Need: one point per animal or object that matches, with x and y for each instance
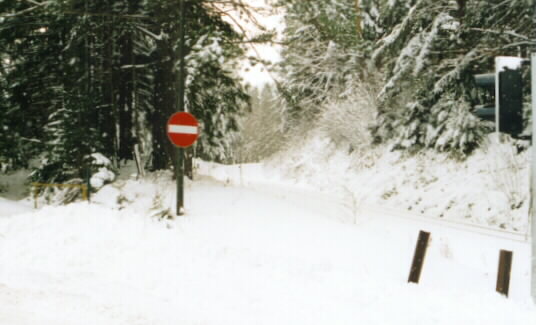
(10, 207)
(252, 249)
(490, 188)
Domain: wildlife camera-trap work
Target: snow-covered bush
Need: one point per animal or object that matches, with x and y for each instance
(97, 165)
(5, 165)
(348, 121)
(262, 130)
(507, 168)
(102, 171)
(159, 209)
(429, 55)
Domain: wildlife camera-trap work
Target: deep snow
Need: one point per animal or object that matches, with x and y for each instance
(251, 250)
(488, 189)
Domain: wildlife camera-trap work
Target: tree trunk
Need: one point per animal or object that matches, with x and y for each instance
(125, 98)
(164, 103)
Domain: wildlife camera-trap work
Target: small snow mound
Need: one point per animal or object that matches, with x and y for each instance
(107, 196)
(100, 160)
(102, 177)
(10, 208)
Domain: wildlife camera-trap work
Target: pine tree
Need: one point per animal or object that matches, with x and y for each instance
(80, 77)
(325, 51)
(430, 55)
(425, 53)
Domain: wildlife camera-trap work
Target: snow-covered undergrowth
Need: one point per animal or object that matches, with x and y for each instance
(152, 196)
(14, 184)
(490, 188)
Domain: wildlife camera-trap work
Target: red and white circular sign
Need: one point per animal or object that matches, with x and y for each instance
(182, 129)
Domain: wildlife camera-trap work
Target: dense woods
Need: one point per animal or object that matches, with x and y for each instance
(420, 55)
(81, 77)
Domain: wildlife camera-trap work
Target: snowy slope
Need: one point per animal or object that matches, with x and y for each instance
(489, 188)
(249, 251)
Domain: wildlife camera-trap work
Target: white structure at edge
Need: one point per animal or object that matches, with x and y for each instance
(532, 211)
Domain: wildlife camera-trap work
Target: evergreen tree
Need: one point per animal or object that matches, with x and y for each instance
(430, 56)
(326, 44)
(425, 53)
(80, 77)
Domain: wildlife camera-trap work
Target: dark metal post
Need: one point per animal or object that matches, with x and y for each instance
(418, 257)
(179, 170)
(180, 181)
(503, 274)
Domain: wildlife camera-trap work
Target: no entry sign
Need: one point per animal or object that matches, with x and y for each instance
(182, 129)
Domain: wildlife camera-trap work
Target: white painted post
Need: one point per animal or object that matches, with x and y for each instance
(532, 210)
(498, 68)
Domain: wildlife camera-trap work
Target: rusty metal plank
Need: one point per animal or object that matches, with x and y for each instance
(503, 275)
(418, 257)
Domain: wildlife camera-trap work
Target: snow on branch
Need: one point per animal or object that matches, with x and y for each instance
(454, 74)
(390, 39)
(403, 64)
(501, 32)
(27, 10)
(439, 21)
(150, 34)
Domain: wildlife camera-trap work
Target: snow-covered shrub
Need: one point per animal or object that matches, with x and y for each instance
(348, 121)
(6, 164)
(64, 195)
(158, 208)
(102, 171)
(97, 165)
(507, 168)
(446, 126)
(262, 130)
(322, 55)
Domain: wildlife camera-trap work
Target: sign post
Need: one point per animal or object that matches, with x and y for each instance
(179, 152)
(182, 131)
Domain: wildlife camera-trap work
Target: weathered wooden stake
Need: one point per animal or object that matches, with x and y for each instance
(503, 275)
(418, 257)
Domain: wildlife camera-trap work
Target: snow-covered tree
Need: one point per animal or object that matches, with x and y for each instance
(424, 53)
(429, 57)
(323, 54)
(80, 77)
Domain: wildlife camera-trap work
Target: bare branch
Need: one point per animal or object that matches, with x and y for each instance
(27, 10)
(501, 33)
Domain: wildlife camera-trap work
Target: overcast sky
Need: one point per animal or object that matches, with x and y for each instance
(257, 75)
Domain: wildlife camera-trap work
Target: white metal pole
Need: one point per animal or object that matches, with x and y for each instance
(497, 94)
(532, 210)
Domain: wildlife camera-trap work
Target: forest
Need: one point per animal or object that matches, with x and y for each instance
(80, 77)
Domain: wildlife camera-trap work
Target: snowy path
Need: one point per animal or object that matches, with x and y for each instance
(261, 254)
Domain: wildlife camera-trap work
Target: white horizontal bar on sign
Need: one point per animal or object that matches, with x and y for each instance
(183, 129)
